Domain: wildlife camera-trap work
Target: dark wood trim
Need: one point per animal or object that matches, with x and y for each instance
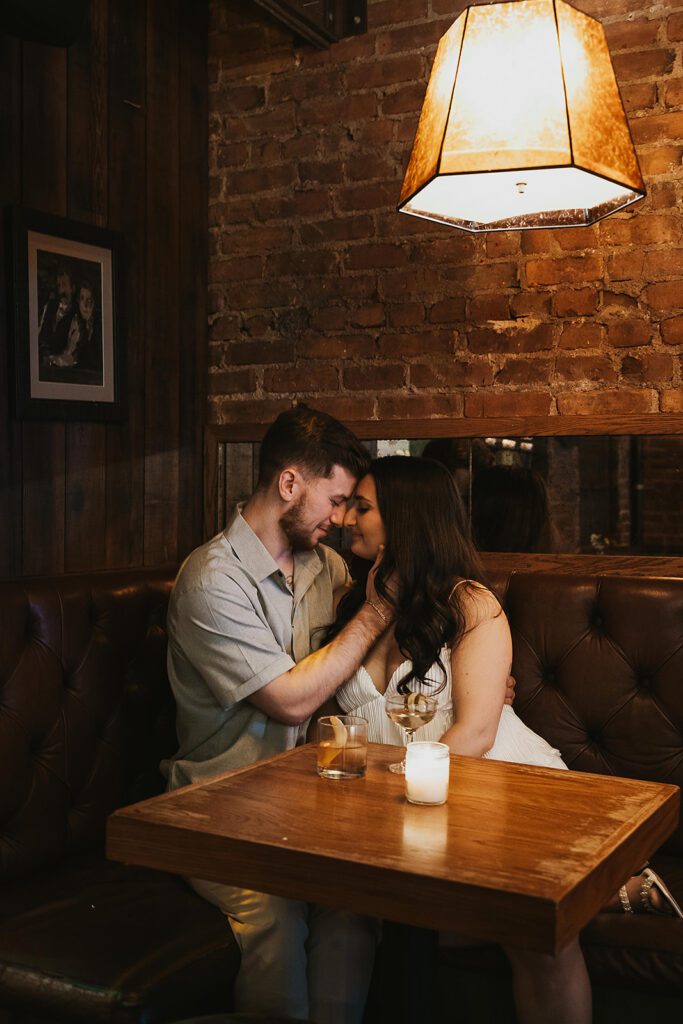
(585, 565)
(162, 285)
(86, 443)
(529, 426)
(127, 213)
(10, 429)
(193, 232)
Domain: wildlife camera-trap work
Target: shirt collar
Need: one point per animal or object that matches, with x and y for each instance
(251, 550)
(307, 565)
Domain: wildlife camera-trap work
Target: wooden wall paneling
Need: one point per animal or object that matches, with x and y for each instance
(239, 476)
(10, 429)
(87, 119)
(230, 476)
(85, 476)
(43, 507)
(43, 167)
(193, 232)
(86, 140)
(44, 156)
(214, 491)
(85, 510)
(162, 315)
(127, 214)
(256, 454)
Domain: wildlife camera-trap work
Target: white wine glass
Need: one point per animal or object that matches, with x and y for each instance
(410, 711)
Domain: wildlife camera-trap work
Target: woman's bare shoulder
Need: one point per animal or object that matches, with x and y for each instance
(477, 602)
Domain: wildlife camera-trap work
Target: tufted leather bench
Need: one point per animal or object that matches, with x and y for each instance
(86, 714)
(599, 668)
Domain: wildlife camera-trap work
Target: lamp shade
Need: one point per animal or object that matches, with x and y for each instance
(522, 124)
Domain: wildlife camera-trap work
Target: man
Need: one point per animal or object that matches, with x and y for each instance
(56, 316)
(247, 610)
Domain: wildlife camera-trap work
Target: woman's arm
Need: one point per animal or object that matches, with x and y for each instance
(480, 667)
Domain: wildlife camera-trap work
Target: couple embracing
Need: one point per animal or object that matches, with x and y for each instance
(265, 626)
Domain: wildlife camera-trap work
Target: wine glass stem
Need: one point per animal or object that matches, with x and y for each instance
(410, 735)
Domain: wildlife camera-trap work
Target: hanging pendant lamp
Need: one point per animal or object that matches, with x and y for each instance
(522, 124)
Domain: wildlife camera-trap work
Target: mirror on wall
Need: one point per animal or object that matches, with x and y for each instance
(620, 495)
(566, 495)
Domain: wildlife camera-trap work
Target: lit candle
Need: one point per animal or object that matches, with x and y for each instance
(427, 770)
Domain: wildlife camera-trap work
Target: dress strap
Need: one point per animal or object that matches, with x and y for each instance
(456, 585)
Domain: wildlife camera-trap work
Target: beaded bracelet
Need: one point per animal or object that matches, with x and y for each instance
(379, 612)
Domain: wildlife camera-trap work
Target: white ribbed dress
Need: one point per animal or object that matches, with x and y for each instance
(514, 741)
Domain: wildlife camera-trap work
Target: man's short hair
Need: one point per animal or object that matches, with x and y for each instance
(312, 441)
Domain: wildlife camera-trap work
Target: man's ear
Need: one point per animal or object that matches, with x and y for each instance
(289, 484)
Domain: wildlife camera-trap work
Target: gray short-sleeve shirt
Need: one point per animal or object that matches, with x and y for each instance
(234, 626)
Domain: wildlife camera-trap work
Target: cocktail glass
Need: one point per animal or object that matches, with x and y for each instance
(410, 711)
(342, 747)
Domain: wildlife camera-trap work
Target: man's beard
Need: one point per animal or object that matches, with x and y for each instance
(292, 522)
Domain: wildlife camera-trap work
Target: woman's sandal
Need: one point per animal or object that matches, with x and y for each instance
(650, 879)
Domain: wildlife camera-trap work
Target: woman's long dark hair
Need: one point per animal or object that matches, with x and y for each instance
(510, 510)
(428, 548)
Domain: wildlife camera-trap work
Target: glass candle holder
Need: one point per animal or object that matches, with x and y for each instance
(427, 773)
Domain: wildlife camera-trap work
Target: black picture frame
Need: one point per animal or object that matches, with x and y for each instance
(65, 318)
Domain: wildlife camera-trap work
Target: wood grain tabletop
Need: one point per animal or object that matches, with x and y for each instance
(518, 854)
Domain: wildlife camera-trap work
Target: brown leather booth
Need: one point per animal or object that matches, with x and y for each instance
(86, 714)
(599, 668)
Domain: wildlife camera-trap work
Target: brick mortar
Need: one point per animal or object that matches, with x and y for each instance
(310, 265)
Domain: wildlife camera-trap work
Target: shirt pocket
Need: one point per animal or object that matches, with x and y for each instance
(316, 618)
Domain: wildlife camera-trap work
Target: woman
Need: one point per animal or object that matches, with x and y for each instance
(510, 510)
(451, 638)
(84, 339)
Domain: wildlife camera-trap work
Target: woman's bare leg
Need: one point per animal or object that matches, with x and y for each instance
(551, 988)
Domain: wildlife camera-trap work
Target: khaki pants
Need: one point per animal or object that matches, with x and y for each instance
(298, 959)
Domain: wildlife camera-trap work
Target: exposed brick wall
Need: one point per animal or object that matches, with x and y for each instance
(320, 290)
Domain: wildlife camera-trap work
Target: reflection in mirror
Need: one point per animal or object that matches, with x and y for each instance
(564, 495)
(575, 495)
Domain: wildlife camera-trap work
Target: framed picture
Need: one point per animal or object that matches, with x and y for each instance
(66, 319)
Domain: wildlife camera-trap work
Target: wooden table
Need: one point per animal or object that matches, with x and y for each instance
(518, 854)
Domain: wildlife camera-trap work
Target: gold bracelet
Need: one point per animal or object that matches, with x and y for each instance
(379, 611)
